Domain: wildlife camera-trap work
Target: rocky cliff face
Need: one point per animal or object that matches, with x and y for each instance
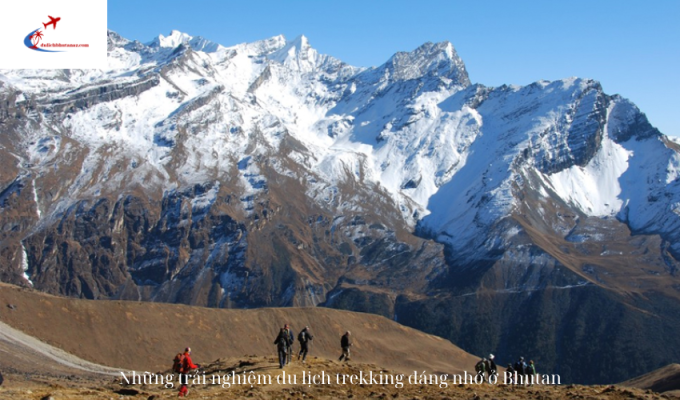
(540, 221)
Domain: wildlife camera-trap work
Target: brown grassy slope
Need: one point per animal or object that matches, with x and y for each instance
(145, 336)
(664, 379)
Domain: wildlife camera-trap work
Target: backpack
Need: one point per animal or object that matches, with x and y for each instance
(479, 367)
(282, 340)
(302, 337)
(178, 363)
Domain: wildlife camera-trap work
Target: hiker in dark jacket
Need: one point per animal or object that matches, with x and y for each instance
(520, 365)
(492, 370)
(304, 337)
(345, 344)
(282, 345)
(492, 364)
(291, 341)
(511, 372)
(481, 367)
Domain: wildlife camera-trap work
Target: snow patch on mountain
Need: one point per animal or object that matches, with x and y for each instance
(35, 199)
(651, 189)
(205, 199)
(673, 169)
(595, 188)
(24, 264)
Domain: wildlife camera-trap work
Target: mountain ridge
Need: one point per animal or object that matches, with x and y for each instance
(230, 178)
(145, 335)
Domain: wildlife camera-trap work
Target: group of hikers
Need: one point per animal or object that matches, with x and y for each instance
(284, 344)
(182, 364)
(521, 369)
(486, 368)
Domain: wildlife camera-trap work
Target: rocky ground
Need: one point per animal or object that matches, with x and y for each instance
(71, 387)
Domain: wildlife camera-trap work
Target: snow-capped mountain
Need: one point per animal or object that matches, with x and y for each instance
(268, 174)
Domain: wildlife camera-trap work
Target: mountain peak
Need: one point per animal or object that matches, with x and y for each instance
(440, 59)
(297, 54)
(177, 38)
(301, 43)
(115, 40)
(296, 48)
(445, 47)
(173, 40)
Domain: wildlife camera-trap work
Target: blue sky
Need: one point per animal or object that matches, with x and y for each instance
(631, 47)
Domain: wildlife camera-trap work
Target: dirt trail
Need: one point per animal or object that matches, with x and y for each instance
(28, 349)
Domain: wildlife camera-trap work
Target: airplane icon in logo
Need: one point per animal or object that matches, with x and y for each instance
(53, 21)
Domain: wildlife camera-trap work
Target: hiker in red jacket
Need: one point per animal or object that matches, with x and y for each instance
(186, 367)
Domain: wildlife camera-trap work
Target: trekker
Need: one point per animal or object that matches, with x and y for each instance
(511, 373)
(291, 342)
(185, 365)
(481, 367)
(520, 365)
(345, 344)
(304, 337)
(493, 370)
(531, 371)
(282, 345)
